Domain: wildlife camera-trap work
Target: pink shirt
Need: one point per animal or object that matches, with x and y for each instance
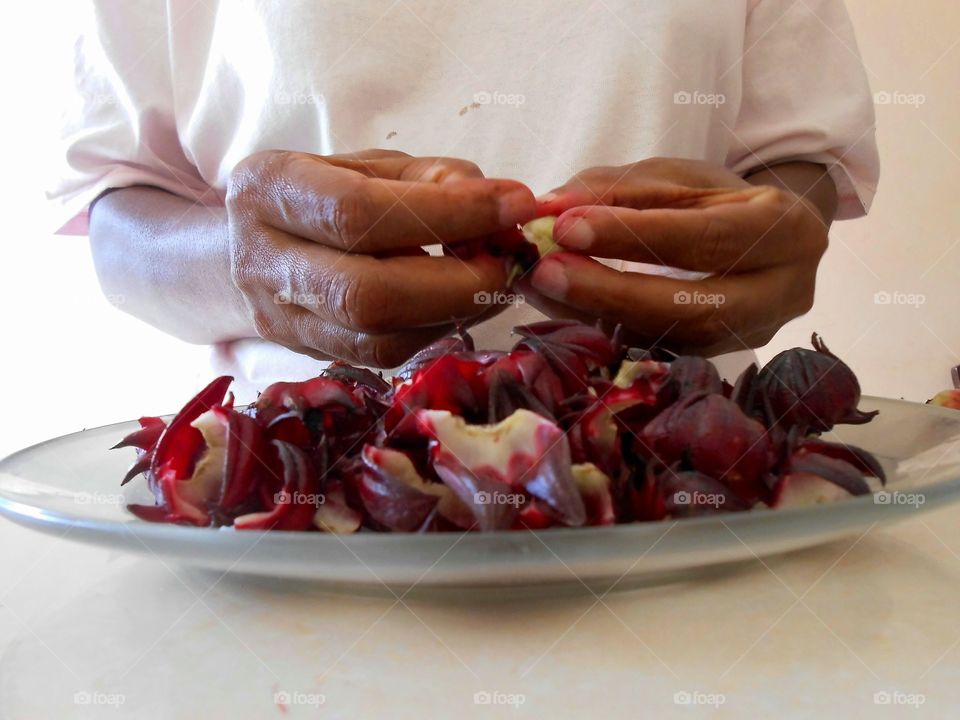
(175, 94)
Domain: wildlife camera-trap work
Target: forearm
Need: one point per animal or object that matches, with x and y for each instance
(167, 257)
(805, 179)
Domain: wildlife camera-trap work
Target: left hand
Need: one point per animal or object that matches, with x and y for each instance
(760, 244)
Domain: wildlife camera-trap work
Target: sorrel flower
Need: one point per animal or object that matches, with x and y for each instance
(709, 434)
(809, 389)
(568, 429)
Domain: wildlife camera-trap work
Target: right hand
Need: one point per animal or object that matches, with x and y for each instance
(327, 250)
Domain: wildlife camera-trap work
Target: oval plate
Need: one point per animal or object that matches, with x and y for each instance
(69, 486)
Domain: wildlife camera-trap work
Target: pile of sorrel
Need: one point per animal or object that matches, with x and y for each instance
(570, 428)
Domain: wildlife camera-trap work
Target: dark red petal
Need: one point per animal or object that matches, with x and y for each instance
(840, 473)
(178, 446)
(141, 465)
(290, 428)
(690, 494)
(151, 428)
(690, 374)
(357, 377)
(318, 392)
(646, 499)
(858, 457)
(487, 497)
(445, 346)
(296, 502)
(246, 459)
(532, 517)
(390, 500)
(151, 513)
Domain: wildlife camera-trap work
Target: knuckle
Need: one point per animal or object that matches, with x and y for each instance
(250, 176)
(243, 275)
(814, 231)
(764, 335)
(265, 326)
(711, 245)
(809, 231)
(780, 198)
(714, 329)
(351, 218)
(654, 163)
(659, 167)
(355, 303)
(379, 352)
(592, 173)
(244, 267)
(444, 168)
(804, 295)
(378, 153)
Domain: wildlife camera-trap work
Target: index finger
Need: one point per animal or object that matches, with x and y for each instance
(741, 233)
(348, 211)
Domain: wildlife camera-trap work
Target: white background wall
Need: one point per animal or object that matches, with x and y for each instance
(910, 243)
(70, 360)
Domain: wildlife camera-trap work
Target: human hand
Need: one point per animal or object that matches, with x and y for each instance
(327, 251)
(761, 245)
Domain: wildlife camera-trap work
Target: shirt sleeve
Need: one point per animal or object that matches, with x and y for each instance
(119, 128)
(806, 97)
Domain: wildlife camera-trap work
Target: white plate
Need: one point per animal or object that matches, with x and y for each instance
(69, 486)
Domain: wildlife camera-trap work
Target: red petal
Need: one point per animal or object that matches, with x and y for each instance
(246, 458)
(151, 428)
(389, 499)
(180, 443)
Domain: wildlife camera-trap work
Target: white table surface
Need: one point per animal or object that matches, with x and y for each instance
(86, 632)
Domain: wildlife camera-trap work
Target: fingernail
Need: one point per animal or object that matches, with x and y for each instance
(576, 234)
(550, 278)
(516, 207)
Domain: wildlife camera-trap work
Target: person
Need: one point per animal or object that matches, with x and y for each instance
(246, 187)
